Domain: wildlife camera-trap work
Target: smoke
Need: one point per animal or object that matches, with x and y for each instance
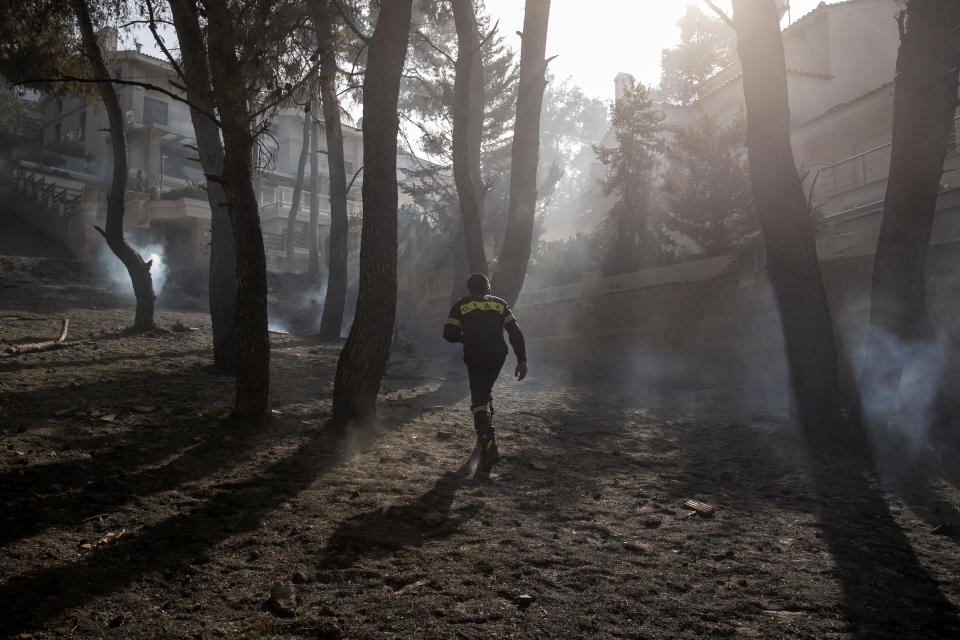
(906, 406)
(293, 310)
(277, 325)
(116, 274)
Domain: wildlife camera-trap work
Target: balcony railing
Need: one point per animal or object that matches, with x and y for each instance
(864, 168)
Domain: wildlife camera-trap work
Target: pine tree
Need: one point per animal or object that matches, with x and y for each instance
(627, 235)
(707, 187)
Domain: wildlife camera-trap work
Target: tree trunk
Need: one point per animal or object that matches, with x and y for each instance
(314, 267)
(222, 286)
(364, 357)
(788, 229)
(335, 300)
(298, 187)
(924, 104)
(468, 107)
(232, 97)
(515, 255)
(461, 268)
(137, 269)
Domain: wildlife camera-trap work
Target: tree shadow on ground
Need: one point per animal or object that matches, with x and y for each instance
(33, 598)
(154, 453)
(887, 592)
(389, 529)
(920, 475)
(761, 472)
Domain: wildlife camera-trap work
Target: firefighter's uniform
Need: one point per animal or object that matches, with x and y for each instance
(478, 321)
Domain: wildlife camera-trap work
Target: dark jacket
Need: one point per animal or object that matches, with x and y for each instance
(479, 322)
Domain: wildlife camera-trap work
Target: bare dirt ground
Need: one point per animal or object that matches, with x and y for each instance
(129, 511)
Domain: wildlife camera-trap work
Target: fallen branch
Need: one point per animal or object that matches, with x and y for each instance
(42, 346)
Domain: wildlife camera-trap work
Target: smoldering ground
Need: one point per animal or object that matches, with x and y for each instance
(153, 519)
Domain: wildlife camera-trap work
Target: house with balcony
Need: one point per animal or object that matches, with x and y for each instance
(163, 204)
(840, 61)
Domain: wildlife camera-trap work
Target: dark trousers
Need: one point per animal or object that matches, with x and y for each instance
(483, 373)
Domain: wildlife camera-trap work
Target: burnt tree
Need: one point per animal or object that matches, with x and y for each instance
(788, 228)
(312, 228)
(924, 105)
(233, 98)
(364, 356)
(222, 295)
(137, 268)
(298, 187)
(468, 103)
(525, 152)
(336, 296)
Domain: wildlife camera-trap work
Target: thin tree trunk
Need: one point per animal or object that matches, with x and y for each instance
(924, 104)
(468, 106)
(231, 97)
(298, 187)
(314, 266)
(787, 226)
(222, 286)
(461, 268)
(515, 255)
(137, 269)
(336, 296)
(364, 357)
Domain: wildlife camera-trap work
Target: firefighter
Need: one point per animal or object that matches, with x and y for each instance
(478, 320)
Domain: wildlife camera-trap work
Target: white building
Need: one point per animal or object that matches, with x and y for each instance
(163, 162)
(840, 61)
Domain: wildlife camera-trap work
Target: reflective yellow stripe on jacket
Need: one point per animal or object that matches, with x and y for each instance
(481, 306)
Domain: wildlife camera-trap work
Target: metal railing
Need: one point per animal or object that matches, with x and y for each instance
(864, 168)
(857, 171)
(50, 194)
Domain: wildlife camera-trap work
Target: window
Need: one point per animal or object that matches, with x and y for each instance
(56, 133)
(267, 196)
(154, 111)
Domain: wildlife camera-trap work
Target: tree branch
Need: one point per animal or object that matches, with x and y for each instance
(487, 37)
(432, 174)
(721, 14)
(435, 47)
(152, 22)
(132, 83)
(348, 18)
(350, 185)
(136, 22)
(289, 92)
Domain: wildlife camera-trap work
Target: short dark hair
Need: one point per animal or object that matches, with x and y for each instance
(478, 284)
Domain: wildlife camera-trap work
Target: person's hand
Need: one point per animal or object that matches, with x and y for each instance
(521, 371)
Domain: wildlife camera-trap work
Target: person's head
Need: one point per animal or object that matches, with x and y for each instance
(478, 284)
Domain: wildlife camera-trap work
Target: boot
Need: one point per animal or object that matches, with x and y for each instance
(486, 441)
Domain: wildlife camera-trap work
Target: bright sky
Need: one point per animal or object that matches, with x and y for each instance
(597, 39)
